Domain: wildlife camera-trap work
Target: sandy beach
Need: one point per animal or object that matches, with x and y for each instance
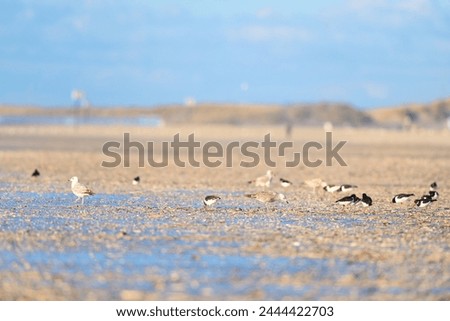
(155, 241)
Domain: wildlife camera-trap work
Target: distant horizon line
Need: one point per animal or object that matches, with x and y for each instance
(230, 103)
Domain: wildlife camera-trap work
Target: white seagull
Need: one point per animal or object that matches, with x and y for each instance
(80, 190)
(315, 183)
(263, 181)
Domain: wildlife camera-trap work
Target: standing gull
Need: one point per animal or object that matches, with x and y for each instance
(80, 190)
(263, 181)
(315, 183)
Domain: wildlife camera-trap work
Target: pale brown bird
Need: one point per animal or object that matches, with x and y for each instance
(263, 181)
(80, 190)
(315, 183)
(268, 197)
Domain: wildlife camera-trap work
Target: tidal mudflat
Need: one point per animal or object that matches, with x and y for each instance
(156, 241)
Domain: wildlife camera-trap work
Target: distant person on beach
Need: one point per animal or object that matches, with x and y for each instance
(288, 129)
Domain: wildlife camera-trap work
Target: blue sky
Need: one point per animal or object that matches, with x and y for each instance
(367, 53)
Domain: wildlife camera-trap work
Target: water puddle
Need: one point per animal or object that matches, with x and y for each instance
(227, 274)
(129, 241)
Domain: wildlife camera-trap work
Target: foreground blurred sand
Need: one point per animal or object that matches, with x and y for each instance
(410, 248)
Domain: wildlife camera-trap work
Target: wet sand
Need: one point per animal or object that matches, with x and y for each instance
(155, 241)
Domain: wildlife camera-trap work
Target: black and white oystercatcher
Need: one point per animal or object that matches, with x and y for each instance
(424, 201)
(347, 188)
(366, 200)
(400, 198)
(434, 195)
(210, 200)
(136, 180)
(433, 186)
(332, 188)
(285, 182)
(347, 200)
(356, 201)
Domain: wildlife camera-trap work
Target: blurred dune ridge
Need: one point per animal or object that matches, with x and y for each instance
(434, 114)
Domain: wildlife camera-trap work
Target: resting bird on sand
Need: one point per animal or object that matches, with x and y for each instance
(424, 201)
(285, 182)
(352, 199)
(210, 200)
(347, 188)
(136, 180)
(268, 197)
(400, 198)
(332, 188)
(366, 200)
(434, 195)
(80, 190)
